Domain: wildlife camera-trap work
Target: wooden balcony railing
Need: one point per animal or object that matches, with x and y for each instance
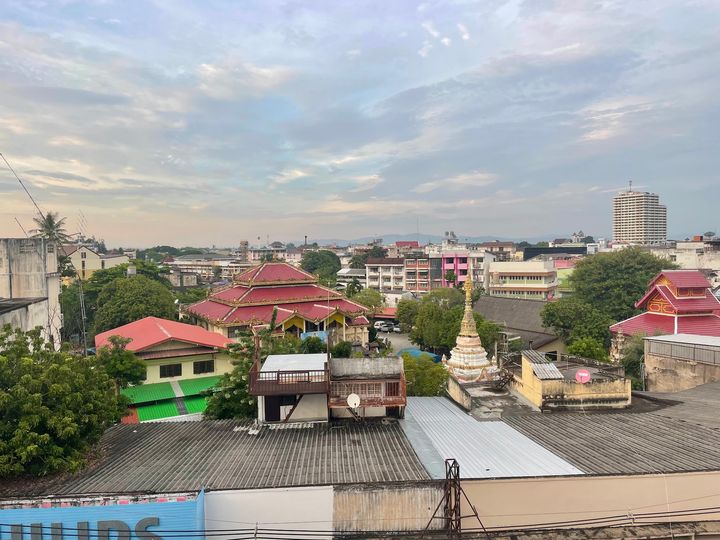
(278, 383)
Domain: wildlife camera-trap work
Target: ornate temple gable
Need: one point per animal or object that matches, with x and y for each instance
(657, 304)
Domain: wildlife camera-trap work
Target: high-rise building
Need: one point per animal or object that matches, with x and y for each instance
(639, 218)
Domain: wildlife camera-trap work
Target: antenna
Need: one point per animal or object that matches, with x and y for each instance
(630, 186)
(23, 228)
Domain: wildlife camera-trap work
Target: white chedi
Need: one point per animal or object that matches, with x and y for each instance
(468, 360)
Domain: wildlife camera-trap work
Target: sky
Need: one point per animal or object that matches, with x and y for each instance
(207, 123)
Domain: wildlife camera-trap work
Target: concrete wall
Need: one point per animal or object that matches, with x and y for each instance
(397, 507)
(306, 508)
(28, 317)
(666, 374)
(459, 394)
(312, 407)
(363, 412)
(517, 503)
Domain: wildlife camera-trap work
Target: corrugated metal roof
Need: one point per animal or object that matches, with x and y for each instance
(439, 430)
(535, 357)
(188, 456)
(688, 339)
(624, 442)
(547, 372)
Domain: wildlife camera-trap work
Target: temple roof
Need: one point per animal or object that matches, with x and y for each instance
(681, 304)
(683, 279)
(274, 273)
(655, 323)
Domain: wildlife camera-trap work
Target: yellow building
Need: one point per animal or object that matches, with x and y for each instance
(569, 383)
(182, 361)
(86, 261)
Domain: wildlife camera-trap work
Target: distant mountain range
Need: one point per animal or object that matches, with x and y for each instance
(422, 238)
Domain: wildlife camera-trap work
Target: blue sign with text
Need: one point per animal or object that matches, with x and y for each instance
(133, 521)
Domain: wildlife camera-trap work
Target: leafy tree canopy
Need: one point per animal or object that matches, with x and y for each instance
(446, 297)
(375, 252)
(632, 360)
(353, 288)
(423, 376)
(572, 319)
(342, 350)
(53, 406)
(613, 282)
(312, 345)
(323, 263)
(120, 364)
(125, 300)
(587, 347)
(369, 298)
(407, 311)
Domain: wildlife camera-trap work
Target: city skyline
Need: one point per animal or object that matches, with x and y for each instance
(191, 124)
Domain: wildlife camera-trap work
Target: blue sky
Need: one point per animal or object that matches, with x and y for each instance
(211, 122)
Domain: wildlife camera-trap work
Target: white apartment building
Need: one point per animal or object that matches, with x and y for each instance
(639, 218)
(532, 280)
(385, 274)
(30, 286)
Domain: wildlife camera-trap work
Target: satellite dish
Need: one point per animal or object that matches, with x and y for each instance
(353, 401)
(582, 376)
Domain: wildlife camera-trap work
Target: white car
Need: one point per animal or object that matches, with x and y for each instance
(378, 325)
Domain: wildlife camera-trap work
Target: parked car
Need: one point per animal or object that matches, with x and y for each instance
(386, 327)
(378, 325)
(396, 328)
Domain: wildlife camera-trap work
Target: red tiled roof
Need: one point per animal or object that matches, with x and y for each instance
(653, 323)
(152, 331)
(277, 272)
(386, 312)
(697, 304)
(231, 293)
(359, 321)
(683, 278)
(407, 243)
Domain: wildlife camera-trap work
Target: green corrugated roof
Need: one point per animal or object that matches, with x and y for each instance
(163, 409)
(192, 387)
(144, 393)
(195, 404)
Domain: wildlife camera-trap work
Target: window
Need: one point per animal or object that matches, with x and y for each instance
(203, 366)
(102, 265)
(170, 370)
(83, 255)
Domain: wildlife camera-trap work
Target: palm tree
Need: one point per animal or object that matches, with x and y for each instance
(51, 227)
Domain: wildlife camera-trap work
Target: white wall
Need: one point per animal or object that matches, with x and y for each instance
(306, 508)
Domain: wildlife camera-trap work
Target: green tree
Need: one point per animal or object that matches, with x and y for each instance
(445, 297)
(542, 244)
(353, 288)
(312, 345)
(437, 327)
(572, 319)
(407, 311)
(588, 347)
(369, 298)
(343, 349)
(360, 260)
(423, 376)
(129, 299)
(192, 295)
(51, 227)
(450, 277)
(121, 365)
(323, 263)
(613, 282)
(588, 240)
(53, 406)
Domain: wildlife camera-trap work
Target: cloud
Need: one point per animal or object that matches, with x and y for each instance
(366, 183)
(425, 49)
(455, 183)
(289, 176)
(233, 79)
(464, 34)
(429, 27)
(446, 41)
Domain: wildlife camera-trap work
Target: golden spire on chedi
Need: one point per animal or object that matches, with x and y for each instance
(468, 361)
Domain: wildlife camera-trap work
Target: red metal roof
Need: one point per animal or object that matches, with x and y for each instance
(288, 293)
(653, 323)
(682, 304)
(407, 243)
(314, 310)
(277, 272)
(152, 331)
(683, 278)
(232, 293)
